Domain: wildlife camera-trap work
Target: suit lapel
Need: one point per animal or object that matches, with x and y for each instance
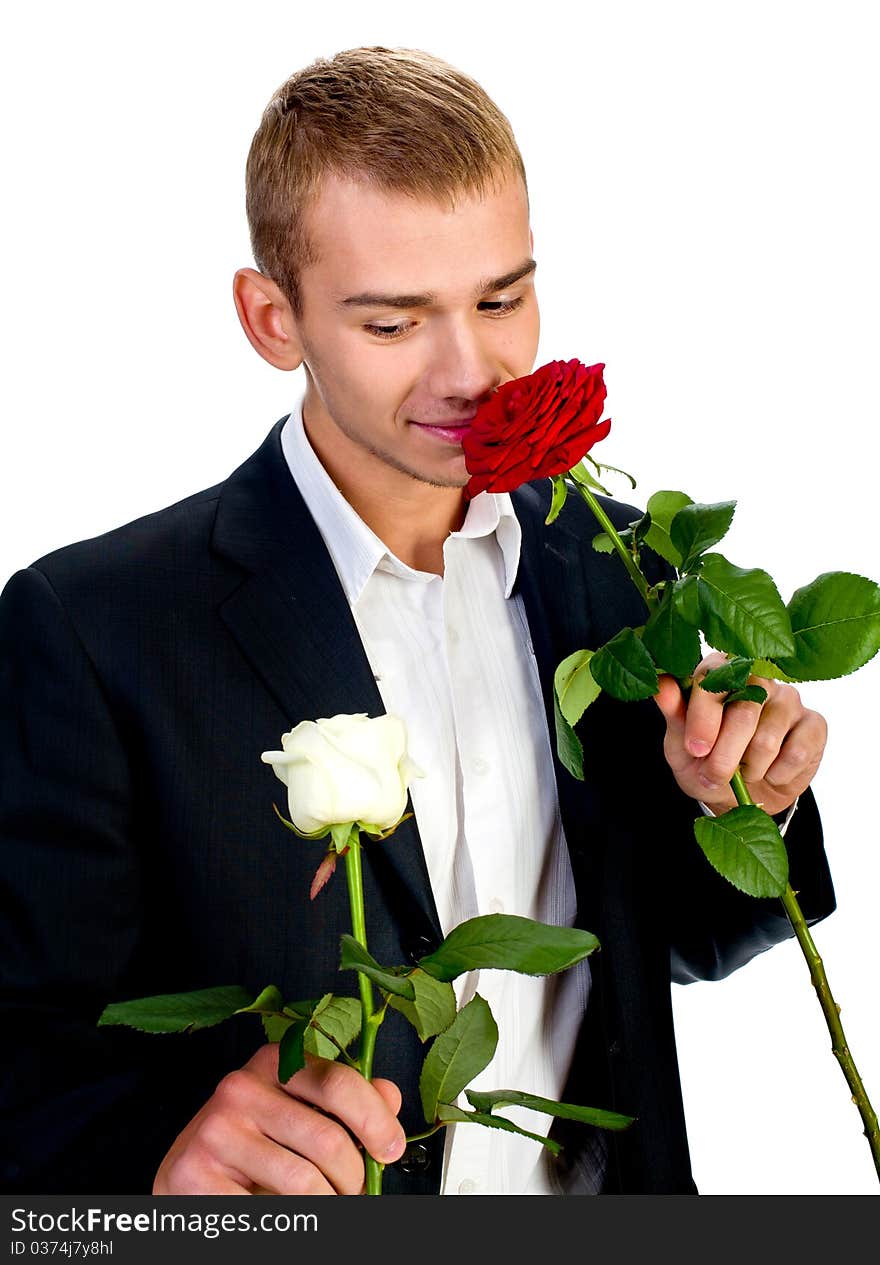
(292, 621)
(552, 583)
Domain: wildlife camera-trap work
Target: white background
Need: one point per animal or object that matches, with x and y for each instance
(705, 209)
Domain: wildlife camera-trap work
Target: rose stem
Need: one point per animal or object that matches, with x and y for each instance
(370, 1020)
(626, 557)
(830, 1009)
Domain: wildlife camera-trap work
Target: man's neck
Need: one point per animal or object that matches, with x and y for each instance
(414, 528)
(412, 519)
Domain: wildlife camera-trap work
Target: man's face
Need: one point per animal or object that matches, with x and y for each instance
(412, 317)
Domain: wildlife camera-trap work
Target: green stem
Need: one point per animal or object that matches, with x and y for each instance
(830, 1008)
(625, 556)
(429, 1133)
(370, 1020)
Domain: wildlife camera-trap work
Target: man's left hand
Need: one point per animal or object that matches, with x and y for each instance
(778, 743)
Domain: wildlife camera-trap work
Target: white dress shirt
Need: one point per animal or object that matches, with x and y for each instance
(452, 657)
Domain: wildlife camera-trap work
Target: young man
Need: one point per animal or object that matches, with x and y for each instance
(339, 569)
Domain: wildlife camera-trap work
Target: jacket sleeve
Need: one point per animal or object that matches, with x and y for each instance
(84, 1108)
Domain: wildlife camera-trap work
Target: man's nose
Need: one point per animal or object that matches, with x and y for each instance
(465, 365)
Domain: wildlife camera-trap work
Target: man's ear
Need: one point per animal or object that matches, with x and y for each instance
(267, 319)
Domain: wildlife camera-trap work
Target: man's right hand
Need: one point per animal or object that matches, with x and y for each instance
(255, 1134)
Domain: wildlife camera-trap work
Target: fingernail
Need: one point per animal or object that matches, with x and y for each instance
(696, 746)
(707, 782)
(395, 1150)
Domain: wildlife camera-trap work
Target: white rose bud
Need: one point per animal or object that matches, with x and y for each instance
(346, 769)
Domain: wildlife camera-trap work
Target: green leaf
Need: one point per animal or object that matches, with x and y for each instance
(450, 1114)
(624, 668)
(275, 1026)
(339, 1017)
(569, 747)
(508, 942)
(434, 1007)
(602, 543)
(772, 671)
(748, 694)
(178, 1012)
(599, 466)
(269, 1002)
(574, 685)
(354, 957)
(741, 610)
(673, 643)
(641, 527)
(733, 675)
(291, 1051)
(488, 1099)
(315, 834)
(560, 492)
(663, 507)
(580, 474)
(746, 848)
(686, 598)
(299, 1009)
(458, 1055)
(697, 528)
(836, 624)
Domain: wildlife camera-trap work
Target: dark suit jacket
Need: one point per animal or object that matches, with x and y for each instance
(142, 673)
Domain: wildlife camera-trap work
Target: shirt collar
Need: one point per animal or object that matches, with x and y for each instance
(355, 549)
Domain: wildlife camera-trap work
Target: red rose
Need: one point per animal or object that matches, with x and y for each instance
(535, 426)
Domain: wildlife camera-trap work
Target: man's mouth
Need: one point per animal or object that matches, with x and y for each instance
(449, 432)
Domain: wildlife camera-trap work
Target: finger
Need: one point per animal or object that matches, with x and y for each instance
(739, 722)
(270, 1166)
(189, 1172)
(245, 1109)
(799, 757)
(705, 714)
(343, 1093)
(380, 1098)
(390, 1093)
(670, 700)
(778, 715)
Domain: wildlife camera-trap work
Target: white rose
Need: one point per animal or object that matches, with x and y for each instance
(348, 769)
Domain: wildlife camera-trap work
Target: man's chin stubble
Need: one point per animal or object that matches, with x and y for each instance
(458, 481)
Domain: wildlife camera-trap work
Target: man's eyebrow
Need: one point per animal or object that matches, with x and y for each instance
(489, 286)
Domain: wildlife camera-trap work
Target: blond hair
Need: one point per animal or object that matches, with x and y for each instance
(399, 119)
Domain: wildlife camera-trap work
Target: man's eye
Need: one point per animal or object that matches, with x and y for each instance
(502, 306)
(386, 331)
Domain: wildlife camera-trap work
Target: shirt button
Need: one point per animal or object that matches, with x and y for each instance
(467, 1187)
(415, 1159)
(496, 906)
(481, 765)
(452, 634)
